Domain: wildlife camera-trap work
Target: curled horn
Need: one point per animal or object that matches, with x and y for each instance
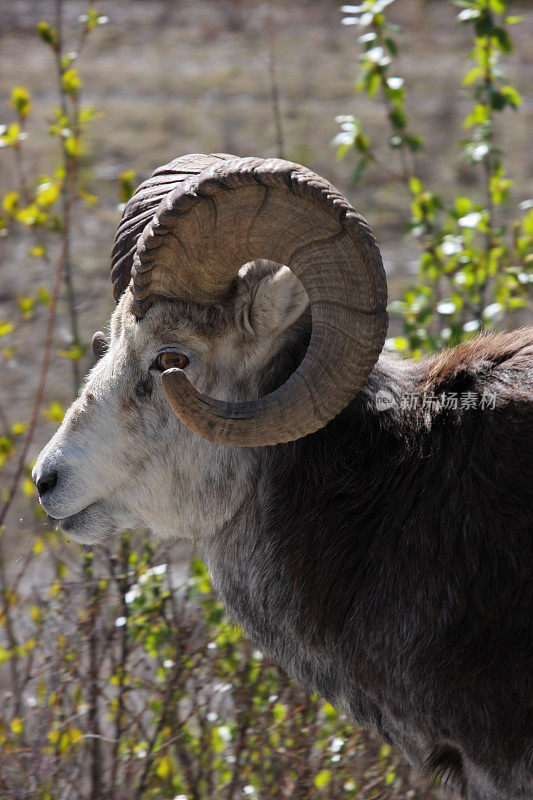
(237, 210)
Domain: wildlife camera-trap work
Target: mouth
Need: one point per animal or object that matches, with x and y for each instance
(66, 524)
(88, 526)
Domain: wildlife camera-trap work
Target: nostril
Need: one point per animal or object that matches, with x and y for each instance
(46, 483)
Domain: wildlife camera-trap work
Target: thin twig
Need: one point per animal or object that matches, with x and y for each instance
(46, 355)
(123, 583)
(10, 633)
(69, 164)
(19, 469)
(488, 81)
(274, 93)
(4, 420)
(23, 184)
(93, 594)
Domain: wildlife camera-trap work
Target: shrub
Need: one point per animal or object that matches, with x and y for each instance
(475, 268)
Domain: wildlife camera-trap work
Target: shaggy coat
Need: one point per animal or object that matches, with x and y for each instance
(385, 561)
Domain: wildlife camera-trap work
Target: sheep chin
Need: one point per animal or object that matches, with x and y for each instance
(92, 525)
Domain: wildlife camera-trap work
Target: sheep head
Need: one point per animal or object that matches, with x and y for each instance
(178, 387)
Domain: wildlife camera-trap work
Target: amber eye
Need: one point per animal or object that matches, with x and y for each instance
(170, 360)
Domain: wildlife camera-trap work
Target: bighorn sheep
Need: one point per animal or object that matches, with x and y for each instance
(378, 547)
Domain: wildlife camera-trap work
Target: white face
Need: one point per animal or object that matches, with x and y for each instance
(122, 459)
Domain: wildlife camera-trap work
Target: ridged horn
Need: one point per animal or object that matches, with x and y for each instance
(238, 210)
(141, 208)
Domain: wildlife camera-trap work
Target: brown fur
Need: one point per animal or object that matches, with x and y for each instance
(489, 360)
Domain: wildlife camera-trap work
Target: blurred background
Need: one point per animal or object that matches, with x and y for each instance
(92, 100)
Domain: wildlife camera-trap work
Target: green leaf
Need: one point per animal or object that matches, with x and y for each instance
(127, 181)
(71, 82)
(497, 100)
(479, 114)
(43, 295)
(164, 767)
(54, 412)
(472, 75)
(6, 447)
(360, 168)
(31, 216)
(87, 197)
(372, 83)
(398, 343)
(5, 327)
(504, 40)
(21, 101)
(512, 96)
(391, 46)
(25, 305)
(17, 725)
(414, 142)
(362, 143)
(73, 146)
(87, 114)
(322, 778)
(397, 118)
(499, 186)
(342, 151)
(527, 223)
(516, 302)
(11, 136)
(47, 33)
(10, 203)
(484, 25)
(47, 194)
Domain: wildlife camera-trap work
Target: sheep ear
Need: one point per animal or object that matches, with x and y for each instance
(99, 345)
(269, 304)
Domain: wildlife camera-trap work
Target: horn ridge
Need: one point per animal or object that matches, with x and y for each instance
(141, 207)
(235, 210)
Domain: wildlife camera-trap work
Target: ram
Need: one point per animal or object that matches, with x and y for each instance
(368, 520)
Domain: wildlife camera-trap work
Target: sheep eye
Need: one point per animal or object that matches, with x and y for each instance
(170, 360)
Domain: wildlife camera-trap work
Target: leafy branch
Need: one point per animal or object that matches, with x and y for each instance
(474, 269)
